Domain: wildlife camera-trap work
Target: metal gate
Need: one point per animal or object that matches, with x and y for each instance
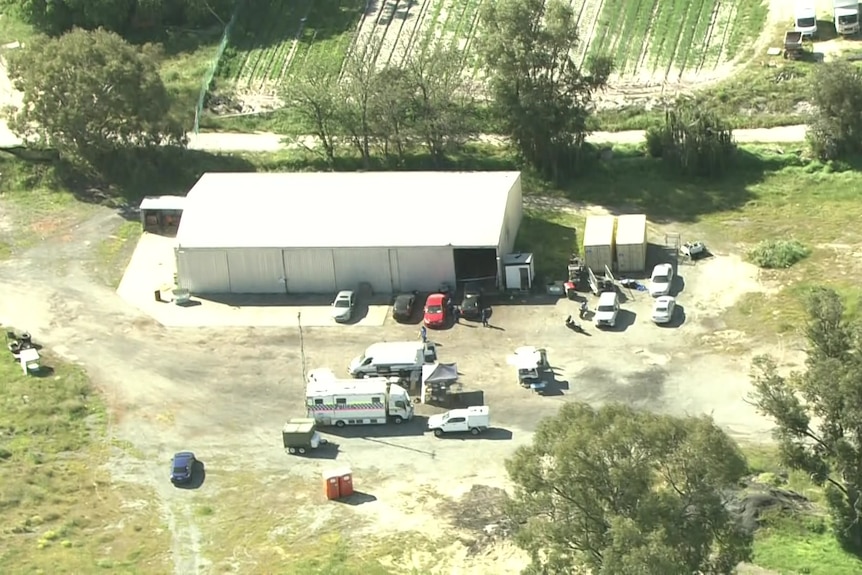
(672, 245)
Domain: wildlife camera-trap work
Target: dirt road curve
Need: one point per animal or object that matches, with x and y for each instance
(269, 142)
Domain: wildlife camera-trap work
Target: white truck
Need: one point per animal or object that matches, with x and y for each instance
(846, 14)
(341, 402)
(401, 358)
(805, 18)
(473, 419)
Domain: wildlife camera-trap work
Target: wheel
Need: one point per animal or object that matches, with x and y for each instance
(301, 450)
(291, 450)
(397, 419)
(475, 431)
(438, 432)
(340, 423)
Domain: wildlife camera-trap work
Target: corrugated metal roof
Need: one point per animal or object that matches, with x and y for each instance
(163, 203)
(599, 231)
(346, 209)
(631, 229)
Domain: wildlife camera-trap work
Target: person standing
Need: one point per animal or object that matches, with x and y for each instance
(484, 317)
(423, 333)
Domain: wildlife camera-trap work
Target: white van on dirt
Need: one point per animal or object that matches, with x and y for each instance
(805, 18)
(607, 310)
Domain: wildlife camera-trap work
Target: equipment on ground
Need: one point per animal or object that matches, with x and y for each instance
(300, 435)
(24, 351)
(575, 277)
(341, 402)
(473, 419)
(532, 365)
(693, 250)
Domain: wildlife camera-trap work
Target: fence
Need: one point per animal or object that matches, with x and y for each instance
(213, 67)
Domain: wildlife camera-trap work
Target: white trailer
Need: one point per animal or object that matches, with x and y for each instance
(631, 243)
(846, 14)
(473, 419)
(400, 358)
(341, 402)
(599, 242)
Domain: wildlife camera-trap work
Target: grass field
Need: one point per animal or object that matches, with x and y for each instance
(58, 508)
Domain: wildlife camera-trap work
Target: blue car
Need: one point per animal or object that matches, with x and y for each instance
(182, 467)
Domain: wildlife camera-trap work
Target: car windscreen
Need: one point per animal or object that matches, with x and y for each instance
(470, 301)
(402, 303)
(435, 309)
(660, 279)
(342, 303)
(606, 308)
(806, 22)
(179, 470)
(661, 307)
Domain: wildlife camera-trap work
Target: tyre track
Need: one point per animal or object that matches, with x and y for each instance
(391, 41)
(684, 63)
(381, 31)
(707, 40)
(592, 11)
(647, 44)
(676, 47)
(421, 17)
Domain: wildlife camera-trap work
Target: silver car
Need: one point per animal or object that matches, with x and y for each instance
(343, 306)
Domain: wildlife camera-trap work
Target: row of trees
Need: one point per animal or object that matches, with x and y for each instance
(618, 491)
(121, 16)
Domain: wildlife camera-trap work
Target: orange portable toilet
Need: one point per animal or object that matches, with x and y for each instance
(345, 482)
(330, 485)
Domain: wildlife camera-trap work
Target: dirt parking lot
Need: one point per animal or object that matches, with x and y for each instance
(225, 393)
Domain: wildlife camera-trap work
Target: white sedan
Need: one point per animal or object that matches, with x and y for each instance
(662, 311)
(342, 307)
(661, 280)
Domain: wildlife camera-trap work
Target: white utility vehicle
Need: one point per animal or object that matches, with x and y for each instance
(662, 311)
(661, 280)
(607, 310)
(473, 419)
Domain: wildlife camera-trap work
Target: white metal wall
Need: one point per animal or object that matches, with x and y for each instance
(203, 271)
(356, 265)
(511, 220)
(423, 269)
(256, 270)
(310, 270)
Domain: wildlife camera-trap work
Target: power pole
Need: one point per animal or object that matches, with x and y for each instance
(301, 345)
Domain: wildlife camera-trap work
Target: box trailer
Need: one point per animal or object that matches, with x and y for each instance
(631, 243)
(599, 242)
(300, 435)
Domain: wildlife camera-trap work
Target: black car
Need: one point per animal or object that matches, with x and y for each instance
(402, 309)
(183, 467)
(471, 304)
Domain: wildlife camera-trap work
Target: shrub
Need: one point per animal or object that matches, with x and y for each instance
(778, 254)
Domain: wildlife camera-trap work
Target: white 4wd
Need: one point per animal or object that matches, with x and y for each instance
(607, 310)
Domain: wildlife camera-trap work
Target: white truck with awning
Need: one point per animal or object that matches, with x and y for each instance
(846, 14)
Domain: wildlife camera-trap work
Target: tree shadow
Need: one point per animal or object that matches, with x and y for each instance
(316, 21)
(635, 183)
(124, 177)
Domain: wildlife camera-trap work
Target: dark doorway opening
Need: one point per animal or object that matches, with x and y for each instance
(478, 265)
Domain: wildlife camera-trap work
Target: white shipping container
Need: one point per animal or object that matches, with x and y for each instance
(599, 242)
(631, 243)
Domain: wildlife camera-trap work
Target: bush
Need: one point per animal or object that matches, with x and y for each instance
(778, 254)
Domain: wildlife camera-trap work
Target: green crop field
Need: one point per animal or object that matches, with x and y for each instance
(651, 41)
(668, 40)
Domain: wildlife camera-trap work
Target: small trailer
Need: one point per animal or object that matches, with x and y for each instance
(300, 435)
(532, 365)
(793, 47)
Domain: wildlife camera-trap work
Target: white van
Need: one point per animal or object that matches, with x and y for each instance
(805, 18)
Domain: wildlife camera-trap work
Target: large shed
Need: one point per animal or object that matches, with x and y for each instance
(599, 242)
(316, 233)
(631, 243)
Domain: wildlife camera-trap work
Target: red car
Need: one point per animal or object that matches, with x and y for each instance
(436, 310)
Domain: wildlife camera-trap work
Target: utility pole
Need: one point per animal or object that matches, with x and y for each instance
(301, 344)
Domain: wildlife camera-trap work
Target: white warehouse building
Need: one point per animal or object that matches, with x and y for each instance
(317, 233)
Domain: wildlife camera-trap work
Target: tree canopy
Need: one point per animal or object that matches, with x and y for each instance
(121, 16)
(835, 126)
(87, 93)
(541, 94)
(818, 412)
(616, 491)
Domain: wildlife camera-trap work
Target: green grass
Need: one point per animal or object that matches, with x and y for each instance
(797, 542)
(114, 252)
(57, 506)
(551, 236)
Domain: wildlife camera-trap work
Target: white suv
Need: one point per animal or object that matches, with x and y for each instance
(607, 310)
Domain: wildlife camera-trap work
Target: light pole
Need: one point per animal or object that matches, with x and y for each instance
(301, 343)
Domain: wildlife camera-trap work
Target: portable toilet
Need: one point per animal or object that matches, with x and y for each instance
(330, 485)
(519, 271)
(345, 482)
